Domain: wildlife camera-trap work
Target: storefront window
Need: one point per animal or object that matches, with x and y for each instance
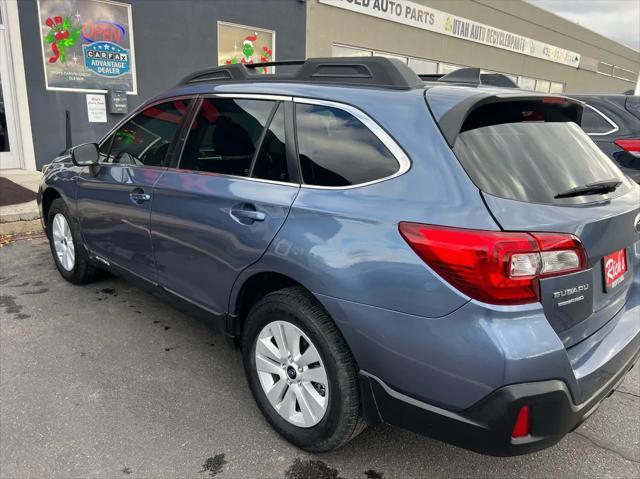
(391, 55)
(527, 83)
(423, 67)
(4, 134)
(87, 46)
(556, 87)
(513, 78)
(343, 51)
(246, 45)
(445, 68)
(543, 86)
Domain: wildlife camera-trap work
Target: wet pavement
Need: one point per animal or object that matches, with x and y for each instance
(107, 381)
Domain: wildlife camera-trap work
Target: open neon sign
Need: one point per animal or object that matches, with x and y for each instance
(103, 30)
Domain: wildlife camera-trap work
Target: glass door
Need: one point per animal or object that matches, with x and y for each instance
(9, 157)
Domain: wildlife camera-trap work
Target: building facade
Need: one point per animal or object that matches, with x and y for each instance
(535, 48)
(70, 69)
(119, 51)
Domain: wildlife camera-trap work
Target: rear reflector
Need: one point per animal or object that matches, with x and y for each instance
(494, 266)
(522, 427)
(629, 145)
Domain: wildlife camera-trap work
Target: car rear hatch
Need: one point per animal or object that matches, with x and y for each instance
(539, 172)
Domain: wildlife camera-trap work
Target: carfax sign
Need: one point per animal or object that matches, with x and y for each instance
(106, 59)
(87, 45)
(427, 18)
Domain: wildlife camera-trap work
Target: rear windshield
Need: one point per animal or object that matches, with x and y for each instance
(533, 160)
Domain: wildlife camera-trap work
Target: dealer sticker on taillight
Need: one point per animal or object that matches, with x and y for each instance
(615, 267)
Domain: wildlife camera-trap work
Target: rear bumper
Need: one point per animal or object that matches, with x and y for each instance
(486, 426)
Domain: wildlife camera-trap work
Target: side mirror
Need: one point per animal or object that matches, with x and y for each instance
(85, 154)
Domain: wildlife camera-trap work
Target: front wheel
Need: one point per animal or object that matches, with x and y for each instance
(68, 252)
(301, 372)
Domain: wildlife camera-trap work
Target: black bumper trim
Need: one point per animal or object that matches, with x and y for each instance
(486, 426)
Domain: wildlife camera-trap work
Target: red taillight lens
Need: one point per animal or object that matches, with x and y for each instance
(553, 99)
(494, 266)
(522, 427)
(629, 145)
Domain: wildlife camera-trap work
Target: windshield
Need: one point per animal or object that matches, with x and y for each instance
(534, 161)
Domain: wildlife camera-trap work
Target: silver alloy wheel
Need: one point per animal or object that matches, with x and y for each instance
(63, 242)
(292, 374)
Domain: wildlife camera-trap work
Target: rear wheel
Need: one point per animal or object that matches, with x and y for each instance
(69, 255)
(301, 372)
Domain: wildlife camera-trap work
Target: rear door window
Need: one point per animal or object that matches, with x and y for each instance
(225, 135)
(531, 155)
(271, 162)
(337, 149)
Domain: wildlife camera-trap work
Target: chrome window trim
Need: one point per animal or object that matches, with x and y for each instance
(234, 177)
(248, 96)
(614, 127)
(404, 163)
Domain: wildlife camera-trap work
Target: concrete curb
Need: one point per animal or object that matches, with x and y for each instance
(19, 216)
(20, 227)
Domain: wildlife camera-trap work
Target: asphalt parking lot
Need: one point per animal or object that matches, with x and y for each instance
(105, 380)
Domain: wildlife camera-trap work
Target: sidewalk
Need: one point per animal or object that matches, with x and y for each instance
(24, 217)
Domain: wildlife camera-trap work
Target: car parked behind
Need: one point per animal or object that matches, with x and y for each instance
(613, 123)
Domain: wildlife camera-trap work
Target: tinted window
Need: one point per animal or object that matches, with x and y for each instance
(336, 149)
(271, 162)
(534, 161)
(145, 139)
(225, 134)
(593, 122)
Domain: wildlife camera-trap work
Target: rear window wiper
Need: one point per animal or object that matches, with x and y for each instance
(600, 187)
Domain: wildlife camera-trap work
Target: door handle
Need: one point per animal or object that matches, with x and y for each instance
(248, 215)
(138, 196)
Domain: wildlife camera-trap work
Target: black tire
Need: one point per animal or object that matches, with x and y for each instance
(342, 420)
(83, 270)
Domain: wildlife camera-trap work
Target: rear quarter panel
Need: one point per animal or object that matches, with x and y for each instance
(345, 243)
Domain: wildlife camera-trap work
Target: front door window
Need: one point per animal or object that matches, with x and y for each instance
(146, 139)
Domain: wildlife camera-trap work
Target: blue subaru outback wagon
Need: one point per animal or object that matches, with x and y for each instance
(455, 259)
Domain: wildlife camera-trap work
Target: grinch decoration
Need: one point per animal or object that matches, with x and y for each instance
(62, 35)
(248, 51)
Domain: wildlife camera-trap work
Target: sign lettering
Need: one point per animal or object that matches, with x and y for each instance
(420, 16)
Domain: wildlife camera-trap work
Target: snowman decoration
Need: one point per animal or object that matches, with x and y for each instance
(248, 51)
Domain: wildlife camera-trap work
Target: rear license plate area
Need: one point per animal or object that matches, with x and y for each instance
(614, 267)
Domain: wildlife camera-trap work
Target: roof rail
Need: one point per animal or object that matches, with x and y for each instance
(367, 71)
(475, 77)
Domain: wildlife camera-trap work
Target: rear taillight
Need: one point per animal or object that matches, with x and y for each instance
(494, 266)
(629, 145)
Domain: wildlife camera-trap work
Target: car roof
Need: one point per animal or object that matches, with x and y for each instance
(325, 75)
